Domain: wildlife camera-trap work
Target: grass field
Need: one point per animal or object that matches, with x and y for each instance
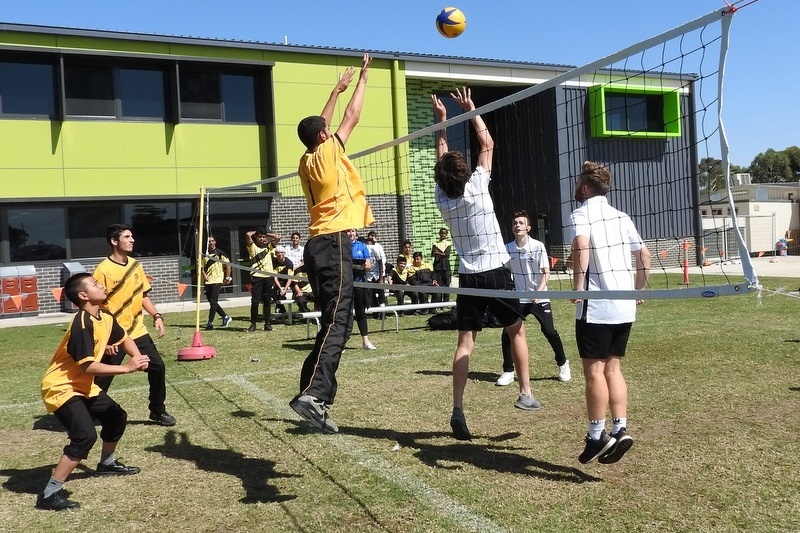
(714, 390)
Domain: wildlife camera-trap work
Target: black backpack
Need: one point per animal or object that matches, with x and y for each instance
(443, 320)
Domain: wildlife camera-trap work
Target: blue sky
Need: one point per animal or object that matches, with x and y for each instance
(761, 86)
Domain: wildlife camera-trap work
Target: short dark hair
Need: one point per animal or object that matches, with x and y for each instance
(296, 233)
(115, 230)
(401, 259)
(451, 174)
(522, 213)
(308, 130)
(75, 284)
(416, 254)
(261, 230)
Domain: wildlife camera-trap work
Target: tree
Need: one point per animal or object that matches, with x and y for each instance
(793, 152)
(771, 167)
(712, 174)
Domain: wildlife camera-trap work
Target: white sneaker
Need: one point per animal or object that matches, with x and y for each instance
(368, 346)
(564, 373)
(506, 378)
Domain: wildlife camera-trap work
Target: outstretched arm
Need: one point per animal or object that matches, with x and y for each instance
(441, 136)
(352, 112)
(339, 88)
(464, 98)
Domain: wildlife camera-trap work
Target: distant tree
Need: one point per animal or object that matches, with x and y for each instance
(712, 174)
(793, 152)
(771, 167)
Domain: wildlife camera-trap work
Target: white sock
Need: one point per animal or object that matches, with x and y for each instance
(619, 423)
(596, 428)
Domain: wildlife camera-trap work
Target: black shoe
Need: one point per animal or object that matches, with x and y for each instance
(615, 453)
(209, 326)
(267, 327)
(164, 419)
(315, 412)
(252, 327)
(596, 448)
(459, 425)
(281, 309)
(55, 502)
(115, 469)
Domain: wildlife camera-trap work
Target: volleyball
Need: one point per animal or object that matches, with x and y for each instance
(451, 22)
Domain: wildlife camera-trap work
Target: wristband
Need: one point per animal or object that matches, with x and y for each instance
(157, 316)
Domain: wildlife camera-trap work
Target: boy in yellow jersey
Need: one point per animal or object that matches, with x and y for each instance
(215, 275)
(128, 289)
(70, 393)
(260, 247)
(336, 203)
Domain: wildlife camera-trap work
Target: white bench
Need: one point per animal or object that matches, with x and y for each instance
(383, 311)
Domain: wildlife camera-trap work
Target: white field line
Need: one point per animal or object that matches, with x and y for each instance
(348, 446)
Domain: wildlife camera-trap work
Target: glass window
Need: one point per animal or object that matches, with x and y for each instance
(155, 227)
(89, 91)
(27, 89)
(37, 234)
(634, 112)
(239, 98)
(87, 230)
(141, 93)
(200, 95)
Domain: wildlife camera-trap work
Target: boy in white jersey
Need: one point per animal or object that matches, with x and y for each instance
(603, 240)
(466, 206)
(531, 269)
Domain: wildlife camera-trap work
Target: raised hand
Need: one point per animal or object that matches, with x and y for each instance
(344, 80)
(438, 108)
(463, 97)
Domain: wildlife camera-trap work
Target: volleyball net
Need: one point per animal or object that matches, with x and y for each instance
(650, 113)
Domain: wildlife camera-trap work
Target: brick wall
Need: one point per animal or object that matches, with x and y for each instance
(165, 272)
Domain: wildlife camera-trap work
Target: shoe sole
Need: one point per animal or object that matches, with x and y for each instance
(165, 424)
(616, 453)
(130, 473)
(305, 414)
(610, 444)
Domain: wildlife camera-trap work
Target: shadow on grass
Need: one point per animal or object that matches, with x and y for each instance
(253, 473)
(479, 376)
(48, 423)
(503, 459)
(33, 480)
(796, 389)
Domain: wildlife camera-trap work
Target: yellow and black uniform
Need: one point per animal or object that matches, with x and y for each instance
(127, 285)
(261, 282)
(400, 279)
(71, 394)
(336, 203)
(421, 275)
(442, 271)
(214, 276)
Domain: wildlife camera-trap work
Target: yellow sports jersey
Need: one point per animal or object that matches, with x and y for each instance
(214, 269)
(127, 285)
(413, 269)
(334, 192)
(260, 259)
(85, 341)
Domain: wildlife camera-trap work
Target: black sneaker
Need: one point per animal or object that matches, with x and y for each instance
(55, 502)
(226, 321)
(459, 425)
(596, 448)
(267, 327)
(315, 411)
(281, 309)
(252, 327)
(115, 469)
(615, 453)
(163, 419)
(209, 326)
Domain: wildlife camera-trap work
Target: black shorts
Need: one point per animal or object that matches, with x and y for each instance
(471, 309)
(601, 341)
(77, 415)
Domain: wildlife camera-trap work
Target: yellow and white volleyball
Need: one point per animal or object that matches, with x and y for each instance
(451, 22)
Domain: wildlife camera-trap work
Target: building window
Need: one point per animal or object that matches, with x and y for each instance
(155, 227)
(141, 93)
(640, 112)
(87, 229)
(89, 91)
(37, 234)
(27, 90)
(209, 95)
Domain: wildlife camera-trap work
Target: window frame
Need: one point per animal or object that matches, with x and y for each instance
(598, 113)
(36, 60)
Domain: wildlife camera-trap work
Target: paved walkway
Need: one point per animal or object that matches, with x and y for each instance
(783, 266)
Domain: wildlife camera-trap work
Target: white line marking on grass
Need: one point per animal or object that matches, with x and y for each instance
(442, 503)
